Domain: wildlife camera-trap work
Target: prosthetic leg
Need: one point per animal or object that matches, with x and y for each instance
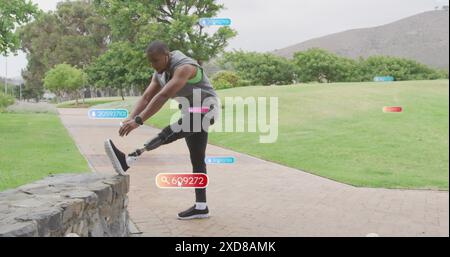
(150, 145)
(164, 137)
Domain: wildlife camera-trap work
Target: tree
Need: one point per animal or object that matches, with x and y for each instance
(38, 40)
(174, 21)
(319, 65)
(259, 68)
(120, 67)
(399, 68)
(86, 34)
(65, 78)
(136, 23)
(75, 34)
(12, 14)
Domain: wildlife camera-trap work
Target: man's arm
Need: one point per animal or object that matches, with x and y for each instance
(180, 78)
(153, 89)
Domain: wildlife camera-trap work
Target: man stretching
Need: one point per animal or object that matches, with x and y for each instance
(176, 75)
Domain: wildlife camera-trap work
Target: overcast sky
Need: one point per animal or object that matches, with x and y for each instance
(265, 25)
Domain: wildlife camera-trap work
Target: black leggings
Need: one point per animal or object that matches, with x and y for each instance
(196, 142)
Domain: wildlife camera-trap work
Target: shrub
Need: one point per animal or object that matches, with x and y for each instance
(399, 68)
(227, 79)
(5, 101)
(259, 68)
(25, 107)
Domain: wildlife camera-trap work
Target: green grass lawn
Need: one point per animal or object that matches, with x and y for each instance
(33, 146)
(339, 131)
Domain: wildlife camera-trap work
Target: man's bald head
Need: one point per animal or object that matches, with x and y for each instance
(158, 54)
(157, 47)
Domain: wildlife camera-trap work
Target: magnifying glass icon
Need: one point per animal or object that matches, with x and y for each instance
(165, 180)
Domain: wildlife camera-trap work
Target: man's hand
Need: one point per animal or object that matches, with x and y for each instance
(127, 127)
(127, 120)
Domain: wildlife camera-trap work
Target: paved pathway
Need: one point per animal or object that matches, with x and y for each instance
(254, 197)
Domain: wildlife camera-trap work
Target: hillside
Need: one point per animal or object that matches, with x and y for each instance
(423, 37)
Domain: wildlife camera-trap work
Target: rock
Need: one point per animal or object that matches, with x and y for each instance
(19, 229)
(103, 191)
(90, 204)
(72, 235)
(72, 209)
(47, 219)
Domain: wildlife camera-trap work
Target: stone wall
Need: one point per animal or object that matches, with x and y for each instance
(89, 204)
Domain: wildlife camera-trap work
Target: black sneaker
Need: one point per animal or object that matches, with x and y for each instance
(117, 157)
(193, 213)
